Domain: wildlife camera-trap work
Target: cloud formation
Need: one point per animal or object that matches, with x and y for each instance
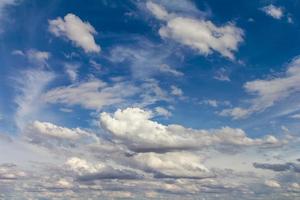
(273, 11)
(74, 29)
(134, 127)
(268, 92)
(198, 34)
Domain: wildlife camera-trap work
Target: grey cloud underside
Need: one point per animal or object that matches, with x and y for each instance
(294, 167)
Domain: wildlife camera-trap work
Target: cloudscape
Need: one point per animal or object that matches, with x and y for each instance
(149, 99)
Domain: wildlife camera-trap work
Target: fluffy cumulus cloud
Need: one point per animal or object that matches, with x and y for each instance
(134, 127)
(273, 11)
(267, 92)
(51, 130)
(201, 35)
(74, 29)
(176, 165)
(96, 171)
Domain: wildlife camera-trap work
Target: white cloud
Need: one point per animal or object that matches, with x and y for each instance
(160, 111)
(134, 128)
(79, 32)
(235, 113)
(93, 94)
(175, 164)
(222, 75)
(199, 34)
(295, 116)
(3, 5)
(30, 87)
(34, 56)
(273, 11)
(167, 69)
(63, 184)
(272, 184)
(51, 130)
(10, 172)
(81, 166)
(158, 11)
(176, 91)
(38, 57)
(72, 71)
(268, 92)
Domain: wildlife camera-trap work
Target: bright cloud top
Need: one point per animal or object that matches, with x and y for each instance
(273, 11)
(74, 29)
(201, 35)
(135, 128)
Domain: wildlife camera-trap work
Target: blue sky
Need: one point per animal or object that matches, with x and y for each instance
(149, 99)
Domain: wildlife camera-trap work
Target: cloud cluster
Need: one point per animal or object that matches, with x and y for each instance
(74, 29)
(267, 92)
(201, 35)
(134, 128)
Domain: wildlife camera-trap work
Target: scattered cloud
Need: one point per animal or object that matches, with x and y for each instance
(267, 92)
(273, 11)
(199, 34)
(29, 90)
(92, 94)
(222, 75)
(176, 91)
(72, 71)
(272, 184)
(74, 29)
(132, 126)
(160, 111)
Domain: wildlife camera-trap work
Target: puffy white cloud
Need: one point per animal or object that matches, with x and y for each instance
(81, 166)
(134, 127)
(268, 92)
(273, 11)
(272, 184)
(51, 130)
(199, 34)
(176, 165)
(235, 113)
(79, 32)
(101, 170)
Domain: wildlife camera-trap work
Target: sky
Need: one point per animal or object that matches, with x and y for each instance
(150, 99)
